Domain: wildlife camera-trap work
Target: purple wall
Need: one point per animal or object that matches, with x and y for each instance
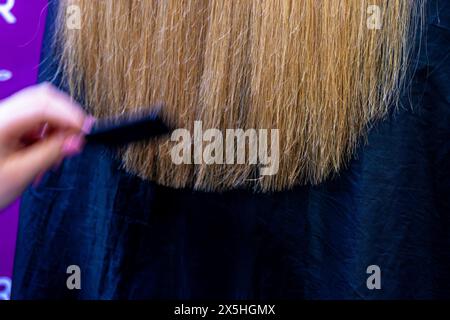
(22, 24)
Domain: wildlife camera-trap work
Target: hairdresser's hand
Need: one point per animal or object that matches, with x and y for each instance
(39, 126)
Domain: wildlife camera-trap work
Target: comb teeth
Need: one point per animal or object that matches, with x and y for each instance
(123, 130)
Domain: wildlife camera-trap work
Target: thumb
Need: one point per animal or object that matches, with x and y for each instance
(27, 163)
(20, 168)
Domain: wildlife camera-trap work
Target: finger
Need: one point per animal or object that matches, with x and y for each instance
(37, 105)
(27, 163)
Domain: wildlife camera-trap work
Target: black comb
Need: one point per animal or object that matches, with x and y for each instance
(122, 130)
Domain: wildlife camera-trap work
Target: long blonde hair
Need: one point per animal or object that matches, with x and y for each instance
(313, 69)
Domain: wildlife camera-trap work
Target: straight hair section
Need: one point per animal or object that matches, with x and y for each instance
(319, 71)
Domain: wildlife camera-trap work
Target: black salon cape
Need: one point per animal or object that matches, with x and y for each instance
(133, 239)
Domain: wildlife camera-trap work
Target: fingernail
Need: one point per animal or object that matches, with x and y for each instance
(88, 124)
(43, 131)
(72, 146)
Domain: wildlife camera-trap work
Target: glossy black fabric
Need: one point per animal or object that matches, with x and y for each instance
(134, 239)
